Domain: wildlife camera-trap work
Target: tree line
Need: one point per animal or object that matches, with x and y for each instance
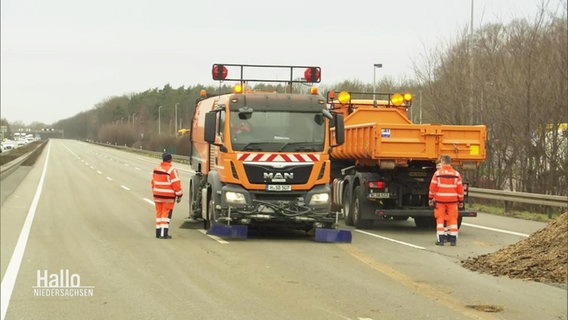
(511, 78)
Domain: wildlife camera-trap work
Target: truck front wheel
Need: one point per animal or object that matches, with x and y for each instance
(211, 215)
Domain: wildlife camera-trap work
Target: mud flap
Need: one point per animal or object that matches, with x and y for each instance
(228, 231)
(332, 235)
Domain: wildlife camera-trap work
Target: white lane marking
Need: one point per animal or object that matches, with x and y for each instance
(216, 238)
(109, 178)
(496, 230)
(9, 279)
(125, 188)
(389, 239)
(76, 155)
(149, 201)
(99, 172)
(463, 224)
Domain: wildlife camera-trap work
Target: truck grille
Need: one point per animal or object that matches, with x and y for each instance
(263, 174)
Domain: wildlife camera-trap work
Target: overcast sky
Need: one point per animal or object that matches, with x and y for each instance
(62, 57)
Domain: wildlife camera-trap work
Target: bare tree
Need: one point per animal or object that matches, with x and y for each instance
(517, 87)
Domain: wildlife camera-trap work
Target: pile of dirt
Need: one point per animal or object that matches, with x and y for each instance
(543, 257)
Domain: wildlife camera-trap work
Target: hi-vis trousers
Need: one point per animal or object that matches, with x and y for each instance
(446, 215)
(163, 216)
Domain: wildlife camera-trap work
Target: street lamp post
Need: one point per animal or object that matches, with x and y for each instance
(471, 65)
(160, 120)
(375, 66)
(176, 116)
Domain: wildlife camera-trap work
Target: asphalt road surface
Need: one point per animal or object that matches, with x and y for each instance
(78, 242)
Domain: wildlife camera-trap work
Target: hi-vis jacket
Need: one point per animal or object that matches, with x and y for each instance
(446, 186)
(166, 185)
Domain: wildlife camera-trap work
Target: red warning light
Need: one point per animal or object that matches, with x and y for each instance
(220, 72)
(312, 74)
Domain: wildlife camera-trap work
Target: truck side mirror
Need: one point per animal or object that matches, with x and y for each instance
(210, 126)
(339, 129)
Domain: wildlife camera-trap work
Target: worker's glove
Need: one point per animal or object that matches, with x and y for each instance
(432, 203)
(178, 199)
(460, 204)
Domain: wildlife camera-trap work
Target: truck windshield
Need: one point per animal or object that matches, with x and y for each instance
(278, 131)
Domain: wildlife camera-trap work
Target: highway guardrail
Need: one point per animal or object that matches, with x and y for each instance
(502, 195)
(523, 197)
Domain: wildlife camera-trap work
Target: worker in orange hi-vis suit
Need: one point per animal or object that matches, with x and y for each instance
(166, 188)
(446, 195)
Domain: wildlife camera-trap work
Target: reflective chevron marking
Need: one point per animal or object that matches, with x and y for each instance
(278, 157)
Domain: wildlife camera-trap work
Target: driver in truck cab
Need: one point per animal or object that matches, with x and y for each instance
(241, 130)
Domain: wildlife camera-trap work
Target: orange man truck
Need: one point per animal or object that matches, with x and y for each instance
(262, 158)
(383, 169)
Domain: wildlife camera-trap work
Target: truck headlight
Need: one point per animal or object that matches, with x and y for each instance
(235, 197)
(319, 198)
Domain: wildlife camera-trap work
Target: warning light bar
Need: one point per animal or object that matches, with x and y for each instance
(398, 99)
(220, 72)
(312, 74)
(226, 72)
(392, 99)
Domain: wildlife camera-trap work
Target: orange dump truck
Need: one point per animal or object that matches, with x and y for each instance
(262, 158)
(384, 168)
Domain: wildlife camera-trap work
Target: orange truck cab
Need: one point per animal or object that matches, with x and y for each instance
(383, 169)
(263, 158)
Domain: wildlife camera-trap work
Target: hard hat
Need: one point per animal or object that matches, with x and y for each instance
(166, 156)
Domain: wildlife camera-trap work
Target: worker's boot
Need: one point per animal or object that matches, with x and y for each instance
(453, 240)
(166, 235)
(158, 233)
(441, 240)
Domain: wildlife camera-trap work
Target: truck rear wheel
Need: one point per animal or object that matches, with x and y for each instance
(348, 207)
(360, 205)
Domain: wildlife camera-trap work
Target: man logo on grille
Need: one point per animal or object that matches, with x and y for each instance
(278, 176)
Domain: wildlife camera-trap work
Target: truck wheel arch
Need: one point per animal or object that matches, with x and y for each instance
(215, 185)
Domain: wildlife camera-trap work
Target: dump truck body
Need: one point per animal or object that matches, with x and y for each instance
(384, 168)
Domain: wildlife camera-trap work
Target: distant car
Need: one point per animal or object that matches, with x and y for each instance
(8, 145)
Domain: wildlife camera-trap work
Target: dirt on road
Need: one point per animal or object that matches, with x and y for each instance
(542, 257)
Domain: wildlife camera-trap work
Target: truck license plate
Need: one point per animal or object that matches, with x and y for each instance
(278, 187)
(380, 195)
